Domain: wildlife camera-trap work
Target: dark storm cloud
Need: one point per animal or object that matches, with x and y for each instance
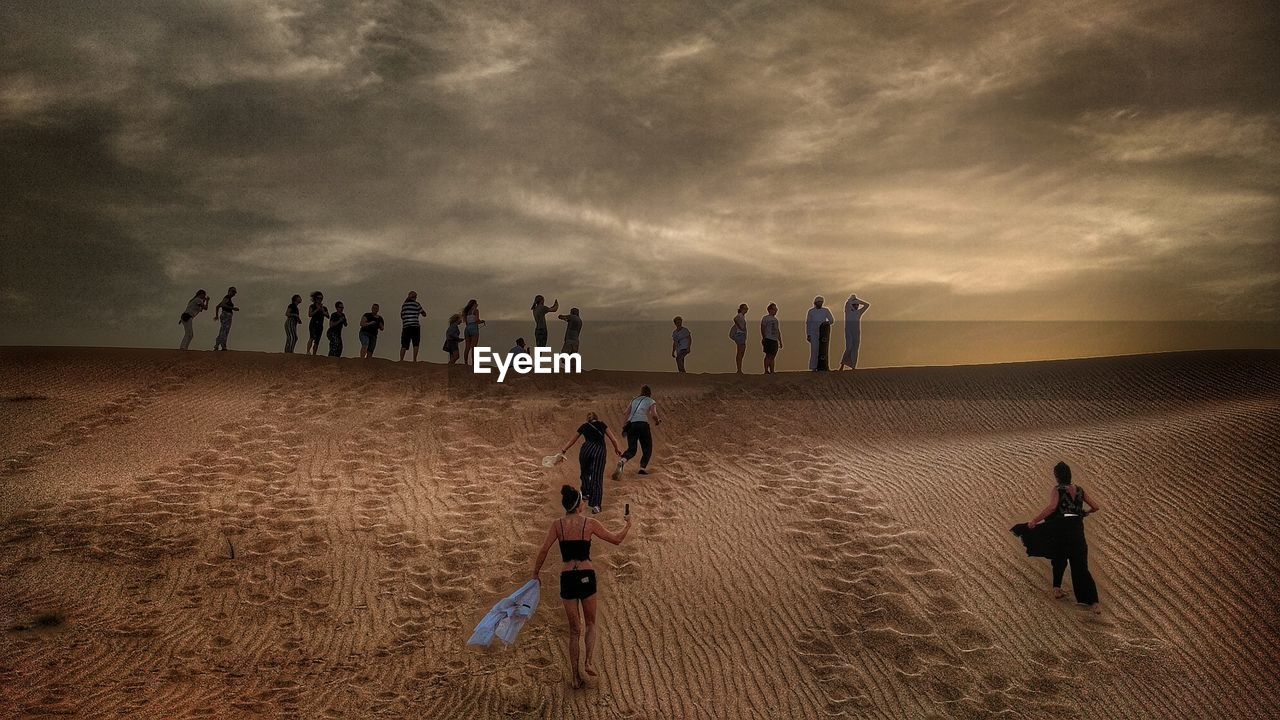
(956, 160)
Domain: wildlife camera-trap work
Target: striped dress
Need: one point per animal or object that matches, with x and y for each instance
(591, 461)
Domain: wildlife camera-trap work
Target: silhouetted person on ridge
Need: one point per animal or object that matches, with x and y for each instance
(853, 309)
(223, 313)
(196, 305)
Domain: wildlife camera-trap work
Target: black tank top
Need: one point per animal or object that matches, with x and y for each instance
(1068, 505)
(579, 549)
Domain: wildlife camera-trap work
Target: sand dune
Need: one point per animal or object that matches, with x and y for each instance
(812, 546)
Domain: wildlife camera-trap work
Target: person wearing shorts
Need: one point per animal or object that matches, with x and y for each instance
(370, 324)
(411, 314)
(770, 338)
(577, 577)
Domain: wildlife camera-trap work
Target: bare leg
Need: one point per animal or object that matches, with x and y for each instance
(741, 350)
(589, 615)
(575, 633)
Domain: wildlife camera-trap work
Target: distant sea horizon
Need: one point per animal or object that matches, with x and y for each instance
(646, 345)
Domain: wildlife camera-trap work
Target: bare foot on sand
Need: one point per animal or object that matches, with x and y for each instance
(590, 670)
(1059, 593)
(1096, 608)
(579, 682)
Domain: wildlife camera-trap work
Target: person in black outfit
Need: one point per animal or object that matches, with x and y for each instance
(592, 457)
(370, 324)
(337, 321)
(577, 579)
(317, 312)
(1063, 520)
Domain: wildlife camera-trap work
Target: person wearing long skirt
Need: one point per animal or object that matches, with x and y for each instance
(1063, 520)
(853, 309)
(813, 322)
(592, 457)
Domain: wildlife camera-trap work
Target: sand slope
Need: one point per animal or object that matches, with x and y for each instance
(811, 547)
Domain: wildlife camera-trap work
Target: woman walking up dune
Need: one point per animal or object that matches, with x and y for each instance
(637, 431)
(577, 578)
(592, 457)
(1063, 520)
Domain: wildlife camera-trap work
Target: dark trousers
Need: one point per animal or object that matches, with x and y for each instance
(639, 434)
(1075, 551)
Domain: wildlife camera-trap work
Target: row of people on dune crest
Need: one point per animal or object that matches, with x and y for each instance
(1056, 532)
(817, 323)
(462, 334)
(463, 329)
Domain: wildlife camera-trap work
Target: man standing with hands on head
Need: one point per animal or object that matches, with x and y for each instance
(411, 314)
(770, 338)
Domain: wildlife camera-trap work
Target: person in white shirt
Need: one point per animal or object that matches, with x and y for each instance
(770, 337)
(637, 431)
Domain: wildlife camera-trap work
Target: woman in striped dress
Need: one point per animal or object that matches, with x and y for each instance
(592, 457)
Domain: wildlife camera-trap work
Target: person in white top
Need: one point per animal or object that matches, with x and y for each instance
(813, 322)
(196, 305)
(853, 309)
(637, 431)
(681, 342)
(738, 334)
(770, 337)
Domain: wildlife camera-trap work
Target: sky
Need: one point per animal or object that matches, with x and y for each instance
(944, 160)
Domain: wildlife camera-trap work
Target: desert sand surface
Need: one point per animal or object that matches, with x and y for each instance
(810, 546)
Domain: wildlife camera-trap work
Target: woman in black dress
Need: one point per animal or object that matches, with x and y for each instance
(1064, 522)
(577, 578)
(592, 457)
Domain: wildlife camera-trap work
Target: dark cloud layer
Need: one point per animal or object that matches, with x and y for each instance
(1085, 160)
